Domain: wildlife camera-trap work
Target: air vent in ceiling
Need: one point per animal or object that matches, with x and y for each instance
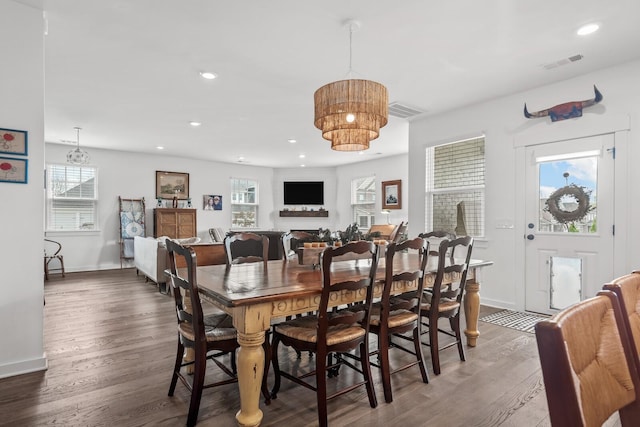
(403, 111)
(561, 62)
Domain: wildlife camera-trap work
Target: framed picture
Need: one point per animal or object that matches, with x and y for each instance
(392, 194)
(13, 170)
(13, 141)
(172, 184)
(212, 202)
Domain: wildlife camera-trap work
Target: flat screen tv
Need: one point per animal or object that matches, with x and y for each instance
(304, 193)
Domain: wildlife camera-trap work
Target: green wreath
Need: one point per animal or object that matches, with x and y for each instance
(563, 216)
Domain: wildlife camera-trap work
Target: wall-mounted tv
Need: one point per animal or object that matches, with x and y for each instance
(304, 192)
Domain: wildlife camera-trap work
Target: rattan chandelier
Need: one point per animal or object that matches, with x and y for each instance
(351, 112)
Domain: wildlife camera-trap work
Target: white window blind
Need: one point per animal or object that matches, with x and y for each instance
(454, 199)
(363, 201)
(72, 198)
(244, 203)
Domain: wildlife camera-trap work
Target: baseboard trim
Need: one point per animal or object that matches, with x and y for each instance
(24, 367)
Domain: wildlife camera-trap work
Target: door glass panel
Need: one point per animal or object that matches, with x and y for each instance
(566, 282)
(568, 194)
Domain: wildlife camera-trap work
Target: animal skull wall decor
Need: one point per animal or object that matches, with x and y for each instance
(567, 110)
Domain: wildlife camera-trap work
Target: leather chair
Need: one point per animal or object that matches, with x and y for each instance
(332, 331)
(445, 301)
(587, 364)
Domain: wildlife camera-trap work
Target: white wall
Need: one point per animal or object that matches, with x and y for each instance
(385, 169)
(133, 175)
(22, 89)
(502, 122)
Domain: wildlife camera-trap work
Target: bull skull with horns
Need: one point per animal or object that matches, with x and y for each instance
(567, 110)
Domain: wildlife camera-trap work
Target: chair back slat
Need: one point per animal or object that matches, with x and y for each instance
(453, 260)
(417, 272)
(243, 248)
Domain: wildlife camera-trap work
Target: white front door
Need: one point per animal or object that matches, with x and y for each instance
(569, 221)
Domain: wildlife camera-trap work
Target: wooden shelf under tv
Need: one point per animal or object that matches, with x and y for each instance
(304, 213)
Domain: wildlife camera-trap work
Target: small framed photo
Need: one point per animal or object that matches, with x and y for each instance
(172, 184)
(13, 141)
(13, 170)
(392, 194)
(212, 202)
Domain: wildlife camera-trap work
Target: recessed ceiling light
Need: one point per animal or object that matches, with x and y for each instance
(588, 29)
(208, 75)
(195, 124)
(302, 156)
(291, 141)
(160, 148)
(301, 166)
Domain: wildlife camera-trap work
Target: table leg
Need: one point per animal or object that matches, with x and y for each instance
(472, 312)
(250, 370)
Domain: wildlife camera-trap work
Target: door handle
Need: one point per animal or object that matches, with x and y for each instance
(530, 237)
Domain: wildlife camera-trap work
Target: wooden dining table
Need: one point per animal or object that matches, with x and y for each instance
(256, 297)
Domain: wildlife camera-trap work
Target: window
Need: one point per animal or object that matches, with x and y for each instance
(244, 203)
(454, 199)
(363, 201)
(72, 198)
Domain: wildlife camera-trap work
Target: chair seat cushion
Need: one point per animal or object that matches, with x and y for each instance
(444, 306)
(305, 329)
(396, 317)
(218, 327)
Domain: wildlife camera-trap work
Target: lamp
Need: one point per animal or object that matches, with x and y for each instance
(77, 156)
(351, 112)
(387, 213)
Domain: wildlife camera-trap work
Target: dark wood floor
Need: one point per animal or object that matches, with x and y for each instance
(110, 341)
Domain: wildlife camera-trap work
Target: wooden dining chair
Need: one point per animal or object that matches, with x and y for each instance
(445, 301)
(395, 315)
(333, 331)
(627, 288)
(435, 237)
(208, 341)
(241, 248)
(587, 364)
(292, 240)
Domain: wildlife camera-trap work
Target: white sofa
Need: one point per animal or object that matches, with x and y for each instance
(150, 259)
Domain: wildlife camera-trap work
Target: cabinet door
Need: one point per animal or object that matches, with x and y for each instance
(186, 224)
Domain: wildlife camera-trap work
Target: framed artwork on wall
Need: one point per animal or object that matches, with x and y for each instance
(392, 194)
(13, 170)
(172, 184)
(13, 141)
(212, 202)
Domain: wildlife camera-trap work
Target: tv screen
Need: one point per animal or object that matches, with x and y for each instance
(304, 193)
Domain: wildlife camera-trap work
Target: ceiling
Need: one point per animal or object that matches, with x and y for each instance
(127, 72)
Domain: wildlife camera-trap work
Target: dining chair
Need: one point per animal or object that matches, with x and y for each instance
(587, 364)
(435, 237)
(52, 252)
(208, 341)
(445, 301)
(627, 288)
(395, 316)
(292, 240)
(332, 331)
(241, 248)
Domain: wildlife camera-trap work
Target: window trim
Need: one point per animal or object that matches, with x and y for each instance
(256, 204)
(95, 200)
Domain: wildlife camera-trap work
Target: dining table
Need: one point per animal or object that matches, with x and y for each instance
(257, 297)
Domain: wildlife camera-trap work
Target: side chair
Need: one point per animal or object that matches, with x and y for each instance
(290, 242)
(395, 315)
(208, 342)
(241, 248)
(333, 331)
(587, 364)
(445, 301)
(627, 288)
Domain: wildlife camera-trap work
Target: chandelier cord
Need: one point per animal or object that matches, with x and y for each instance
(350, 51)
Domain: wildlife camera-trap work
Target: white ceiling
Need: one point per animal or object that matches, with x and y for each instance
(127, 72)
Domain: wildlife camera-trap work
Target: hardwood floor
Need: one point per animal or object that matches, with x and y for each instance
(110, 341)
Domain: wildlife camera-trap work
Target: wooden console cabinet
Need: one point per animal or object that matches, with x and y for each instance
(174, 223)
